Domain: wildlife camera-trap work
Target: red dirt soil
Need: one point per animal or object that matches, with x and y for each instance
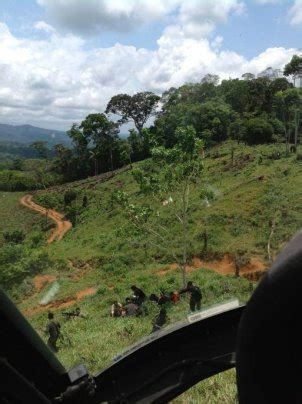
(224, 266)
(62, 226)
(86, 292)
(61, 303)
(41, 280)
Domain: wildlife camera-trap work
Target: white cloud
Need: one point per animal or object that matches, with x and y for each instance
(295, 13)
(43, 26)
(93, 16)
(57, 80)
(197, 17)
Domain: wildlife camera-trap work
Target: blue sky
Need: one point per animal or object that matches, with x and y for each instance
(260, 27)
(62, 59)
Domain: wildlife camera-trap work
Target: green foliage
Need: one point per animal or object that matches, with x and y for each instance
(181, 167)
(104, 136)
(41, 148)
(209, 119)
(293, 66)
(16, 181)
(137, 108)
(258, 131)
(17, 262)
(16, 236)
(69, 197)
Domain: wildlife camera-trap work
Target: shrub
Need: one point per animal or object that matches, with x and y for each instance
(69, 197)
(258, 131)
(17, 262)
(36, 239)
(15, 236)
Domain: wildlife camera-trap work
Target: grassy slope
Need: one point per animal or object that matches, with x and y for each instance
(238, 219)
(242, 208)
(13, 216)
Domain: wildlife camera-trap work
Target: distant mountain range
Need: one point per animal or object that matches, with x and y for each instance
(27, 134)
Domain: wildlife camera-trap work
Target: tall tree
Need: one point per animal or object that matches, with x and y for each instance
(287, 105)
(104, 135)
(210, 78)
(293, 66)
(137, 108)
(248, 76)
(80, 151)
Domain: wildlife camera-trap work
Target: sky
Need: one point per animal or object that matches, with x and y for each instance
(63, 59)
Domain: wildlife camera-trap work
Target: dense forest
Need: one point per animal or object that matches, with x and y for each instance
(252, 110)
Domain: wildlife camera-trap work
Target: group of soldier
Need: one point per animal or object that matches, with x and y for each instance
(133, 307)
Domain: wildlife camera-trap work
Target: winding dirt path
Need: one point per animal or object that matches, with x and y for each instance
(62, 226)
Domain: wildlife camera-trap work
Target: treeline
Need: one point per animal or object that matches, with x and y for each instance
(252, 110)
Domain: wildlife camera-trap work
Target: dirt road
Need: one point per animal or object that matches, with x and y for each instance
(62, 226)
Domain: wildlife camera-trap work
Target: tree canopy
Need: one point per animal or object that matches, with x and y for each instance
(137, 108)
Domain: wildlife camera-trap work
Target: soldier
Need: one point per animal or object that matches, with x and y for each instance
(195, 300)
(53, 328)
(138, 294)
(154, 298)
(116, 309)
(160, 320)
(174, 297)
(163, 298)
(131, 309)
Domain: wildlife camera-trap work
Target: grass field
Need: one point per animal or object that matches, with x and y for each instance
(13, 216)
(97, 260)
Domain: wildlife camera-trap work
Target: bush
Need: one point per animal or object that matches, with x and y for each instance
(72, 213)
(15, 236)
(258, 131)
(69, 197)
(36, 239)
(17, 262)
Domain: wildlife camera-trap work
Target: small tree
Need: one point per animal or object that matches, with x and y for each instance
(169, 188)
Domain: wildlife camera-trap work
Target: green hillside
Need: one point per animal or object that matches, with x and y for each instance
(97, 261)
